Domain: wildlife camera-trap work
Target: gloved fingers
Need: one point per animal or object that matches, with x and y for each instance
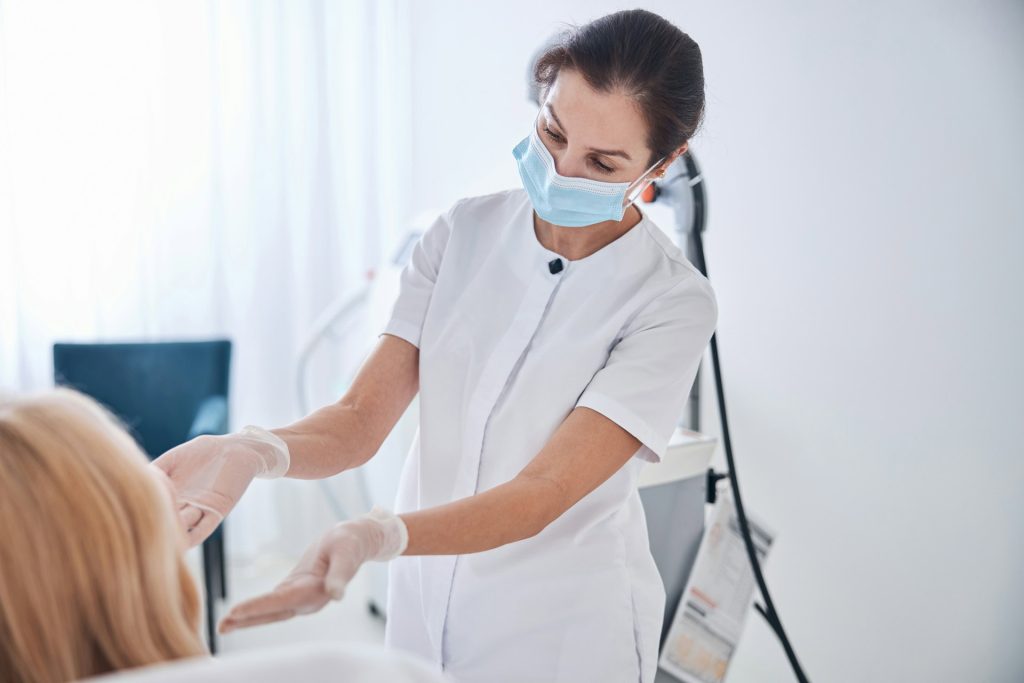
(164, 462)
(300, 597)
(210, 473)
(229, 623)
(189, 514)
(200, 521)
(165, 481)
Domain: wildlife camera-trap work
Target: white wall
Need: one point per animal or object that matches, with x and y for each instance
(864, 165)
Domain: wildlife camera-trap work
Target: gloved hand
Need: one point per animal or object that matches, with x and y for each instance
(325, 569)
(210, 473)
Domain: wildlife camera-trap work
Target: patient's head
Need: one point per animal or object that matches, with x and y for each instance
(92, 574)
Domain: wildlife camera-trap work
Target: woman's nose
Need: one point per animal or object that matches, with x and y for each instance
(569, 165)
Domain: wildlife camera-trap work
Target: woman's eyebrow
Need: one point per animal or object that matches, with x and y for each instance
(605, 152)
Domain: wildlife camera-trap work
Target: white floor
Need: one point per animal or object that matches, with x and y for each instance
(348, 620)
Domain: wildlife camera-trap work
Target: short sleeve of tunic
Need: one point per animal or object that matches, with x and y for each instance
(644, 384)
(417, 280)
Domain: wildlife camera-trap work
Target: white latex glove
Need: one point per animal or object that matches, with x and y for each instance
(325, 569)
(210, 473)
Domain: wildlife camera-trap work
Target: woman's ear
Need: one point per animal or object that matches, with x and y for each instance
(680, 151)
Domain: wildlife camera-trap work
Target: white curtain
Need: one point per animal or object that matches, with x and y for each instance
(186, 170)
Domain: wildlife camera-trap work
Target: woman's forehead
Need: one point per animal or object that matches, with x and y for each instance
(605, 120)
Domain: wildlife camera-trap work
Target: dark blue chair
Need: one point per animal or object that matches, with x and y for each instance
(165, 393)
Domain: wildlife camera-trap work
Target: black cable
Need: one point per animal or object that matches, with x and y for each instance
(768, 611)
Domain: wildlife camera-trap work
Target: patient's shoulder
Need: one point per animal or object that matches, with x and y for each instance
(312, 662)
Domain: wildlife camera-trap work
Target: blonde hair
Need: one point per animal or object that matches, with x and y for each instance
(92, 571)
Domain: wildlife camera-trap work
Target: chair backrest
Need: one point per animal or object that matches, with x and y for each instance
(156, 388)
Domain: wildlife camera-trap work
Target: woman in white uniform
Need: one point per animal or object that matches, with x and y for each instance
(553, 333)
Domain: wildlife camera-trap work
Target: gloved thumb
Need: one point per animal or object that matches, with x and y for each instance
(341, 567)
(199, 521)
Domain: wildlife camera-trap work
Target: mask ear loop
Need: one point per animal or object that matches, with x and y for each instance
(651, 180)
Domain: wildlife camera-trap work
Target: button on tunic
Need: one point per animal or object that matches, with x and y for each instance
(508, 349)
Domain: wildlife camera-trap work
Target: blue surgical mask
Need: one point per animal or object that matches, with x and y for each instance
(565, 201)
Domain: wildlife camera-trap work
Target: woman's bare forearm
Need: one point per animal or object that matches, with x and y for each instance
(584, 452)
(509, 512)
(328, 441)
(348, 433)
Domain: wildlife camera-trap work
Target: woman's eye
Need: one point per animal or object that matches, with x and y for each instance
(554, 136)
(560, 140)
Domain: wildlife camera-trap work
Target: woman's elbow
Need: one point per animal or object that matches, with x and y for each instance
(546, 503)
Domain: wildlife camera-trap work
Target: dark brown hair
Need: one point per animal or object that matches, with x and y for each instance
(645, 57)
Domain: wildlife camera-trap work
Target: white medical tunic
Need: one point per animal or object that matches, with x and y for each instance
(507, 350)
